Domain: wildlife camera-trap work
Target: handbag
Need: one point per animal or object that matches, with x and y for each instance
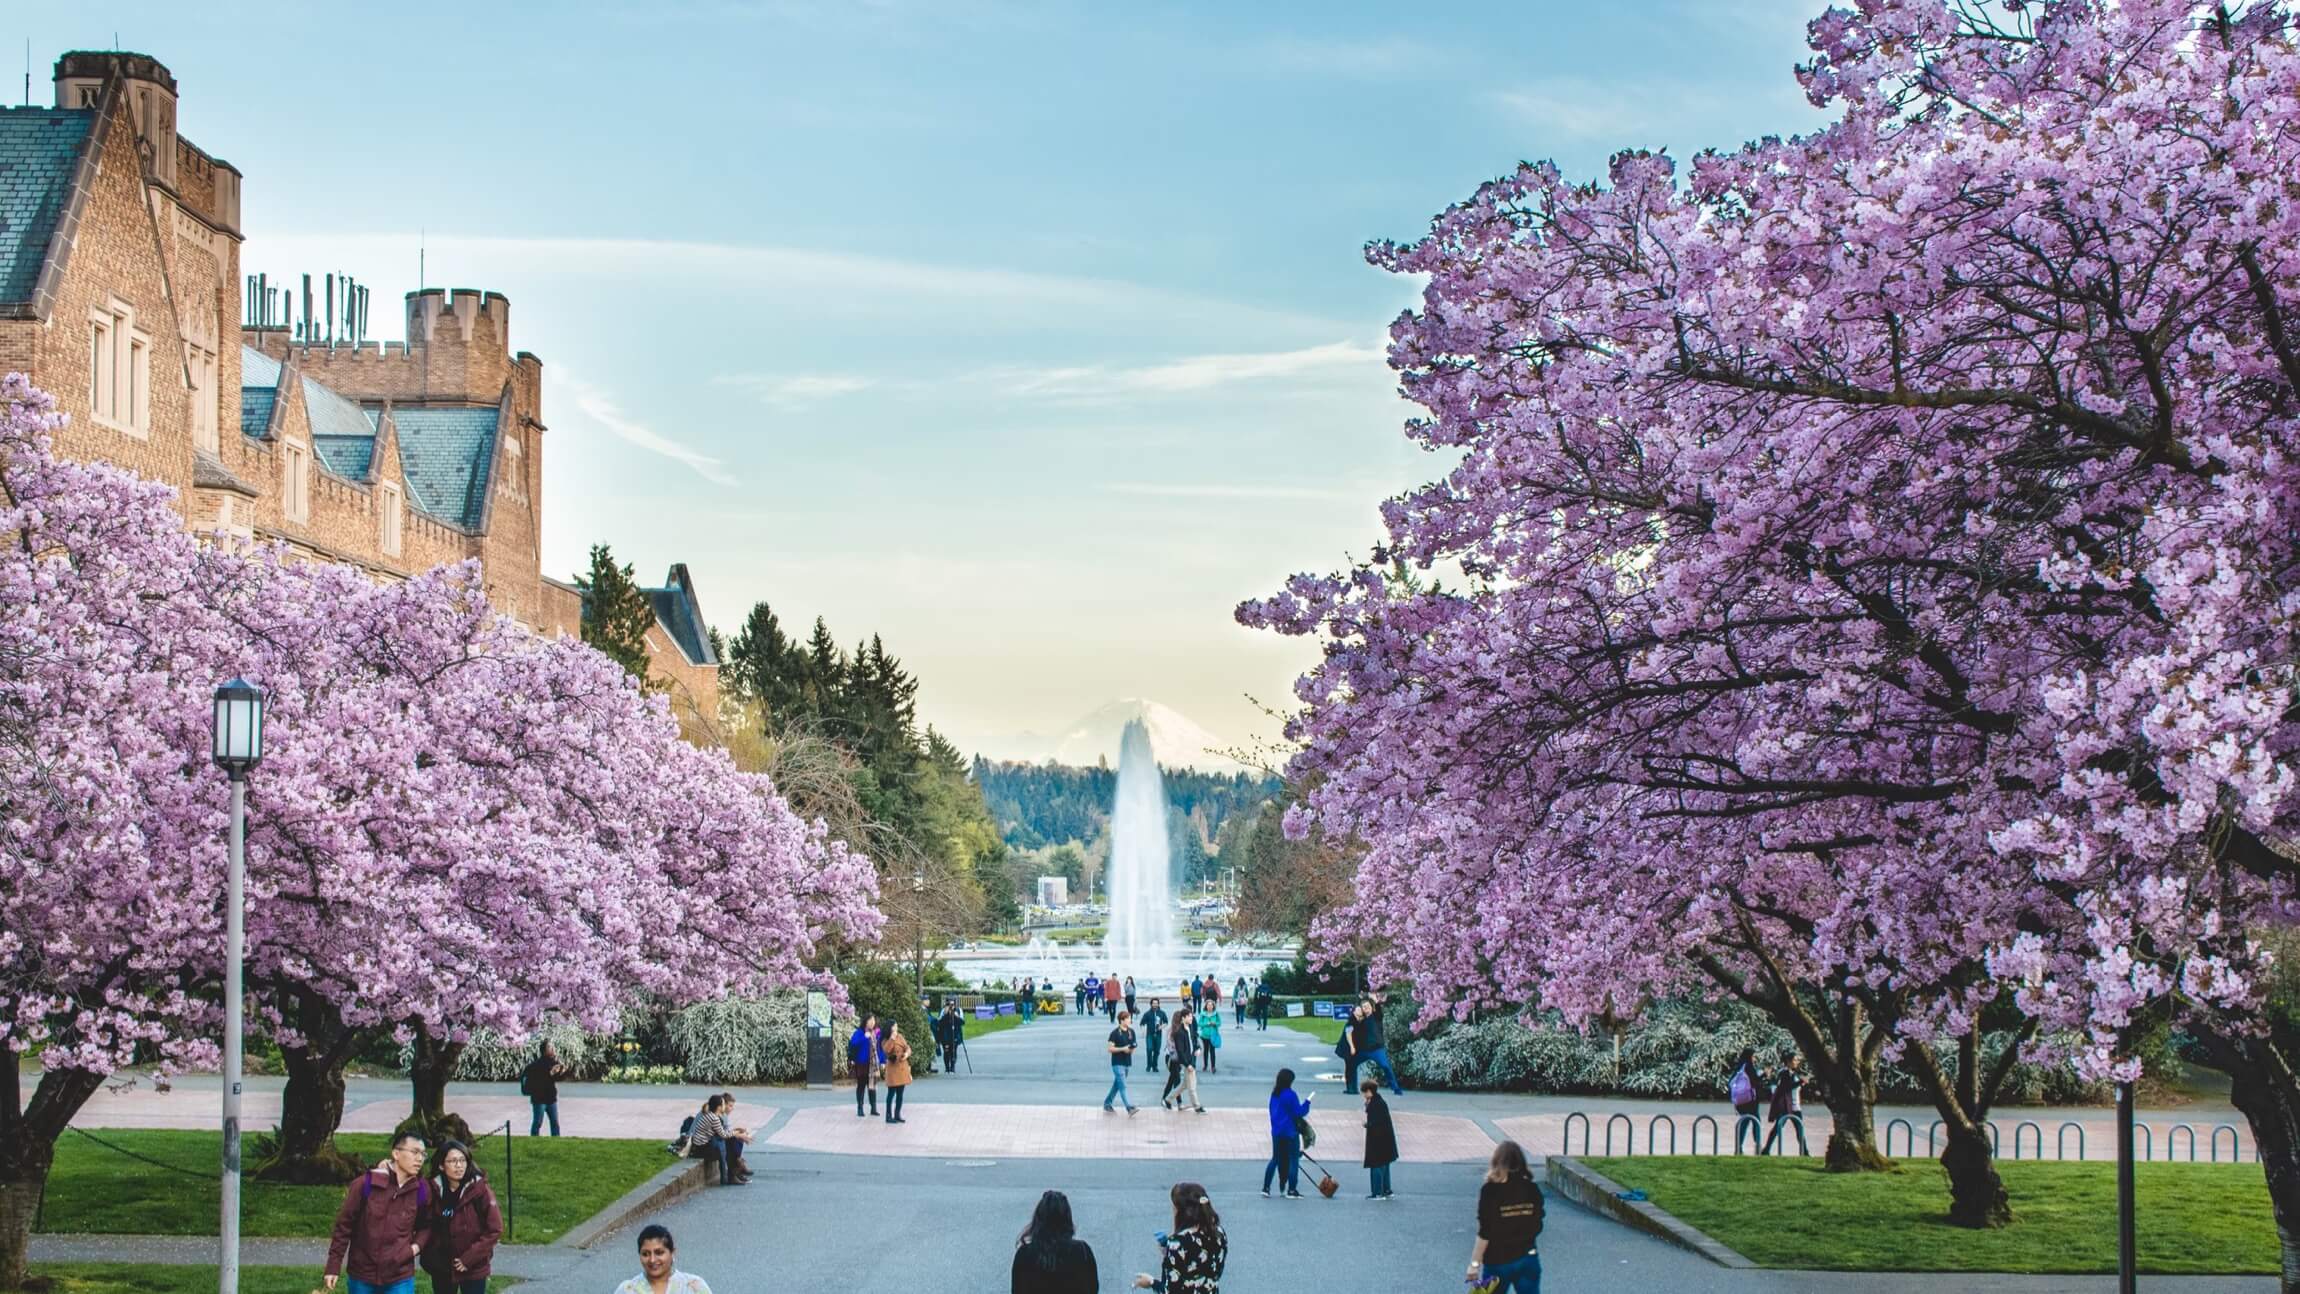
(1308, 1134)
(1326, 1183)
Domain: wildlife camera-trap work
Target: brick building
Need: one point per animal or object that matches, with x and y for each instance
(121, 294)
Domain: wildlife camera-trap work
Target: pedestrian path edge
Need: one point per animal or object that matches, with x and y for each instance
(1601, 1195)
(683, 1178)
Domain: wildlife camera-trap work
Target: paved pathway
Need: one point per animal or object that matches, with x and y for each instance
(952, 1186)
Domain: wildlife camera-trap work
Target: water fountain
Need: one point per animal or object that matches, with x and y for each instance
(1139, 938)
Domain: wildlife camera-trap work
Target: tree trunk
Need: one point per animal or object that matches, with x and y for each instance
(1976, 1194)
(27, 1150)
(429, 1068)
(2264, 1087)
(1853, 1138)
(311, 1109)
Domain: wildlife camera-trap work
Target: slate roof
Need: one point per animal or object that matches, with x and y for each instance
(259, 391)
(447, 456)
(681, 616)
(39, 156)
(341, 432)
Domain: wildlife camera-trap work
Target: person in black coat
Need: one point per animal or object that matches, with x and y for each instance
(1049, 1258)
(1381, 1141)
(950, 1031)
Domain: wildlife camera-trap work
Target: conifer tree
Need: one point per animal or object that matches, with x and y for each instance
(616, 615)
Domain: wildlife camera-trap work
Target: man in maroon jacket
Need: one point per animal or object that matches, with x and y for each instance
(385, 1218)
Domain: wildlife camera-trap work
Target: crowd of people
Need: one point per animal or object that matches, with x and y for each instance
(405, 1217)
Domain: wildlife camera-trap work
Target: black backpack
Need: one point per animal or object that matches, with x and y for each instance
(678, 1144)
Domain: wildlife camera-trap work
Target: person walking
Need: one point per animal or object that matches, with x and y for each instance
(384, 1224)
(897, 1072)
(1509, 1215)
(1381, 1141)
(1192, 1255)
(1788, 1106)
(1197, 992)
(1376, 1051)
(539, 1082)
(1092, 998)
(1746, 1089)
(1182, 1063)
(659, 1267)
(1346, 1046)
(1130, 993)
(1049, 1258)
(1287, 1110)
(1262, 997)
(465, 1225)
(950, 1031)
(1213, 992)
(1121, 1060)
(1238, 1001)
(1210, 1035)
(1153, 1034)
(863, 1056)
(1110, 994)
(1078, 991)
(1026, 1004)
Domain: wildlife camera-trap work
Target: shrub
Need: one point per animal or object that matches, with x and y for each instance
(878, 988)
(490, 1059)
(651, 1074)
(741, 1040)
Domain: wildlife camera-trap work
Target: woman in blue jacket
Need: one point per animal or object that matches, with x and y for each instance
(1287, 1108)
(864, 1055)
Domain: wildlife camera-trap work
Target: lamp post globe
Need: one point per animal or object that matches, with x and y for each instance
(238, 730)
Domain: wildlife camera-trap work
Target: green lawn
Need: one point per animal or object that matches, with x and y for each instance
(169, 1278)
(557, 1182)
(2192, 1219)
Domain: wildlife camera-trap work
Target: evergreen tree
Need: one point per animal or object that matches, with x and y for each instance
(616, 615)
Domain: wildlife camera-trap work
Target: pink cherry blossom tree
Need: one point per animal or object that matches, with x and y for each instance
(1877, 547)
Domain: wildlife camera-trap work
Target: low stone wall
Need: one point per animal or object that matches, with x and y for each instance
(1601, 1195)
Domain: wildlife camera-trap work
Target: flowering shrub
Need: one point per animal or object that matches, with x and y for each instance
(647, 1074)
(742, 1040)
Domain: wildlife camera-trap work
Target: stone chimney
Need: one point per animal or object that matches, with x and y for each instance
(151, 97)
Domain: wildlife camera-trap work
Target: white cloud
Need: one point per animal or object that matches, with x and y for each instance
(797, 388)
(597, 406)
(1195, 373)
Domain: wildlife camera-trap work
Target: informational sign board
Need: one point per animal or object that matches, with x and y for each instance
(984, 1011)
(818, 1009)
(1296, 1008)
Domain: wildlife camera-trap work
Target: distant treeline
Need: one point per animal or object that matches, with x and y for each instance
(1037, 806)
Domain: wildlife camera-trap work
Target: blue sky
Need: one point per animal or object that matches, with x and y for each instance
(1032, 337)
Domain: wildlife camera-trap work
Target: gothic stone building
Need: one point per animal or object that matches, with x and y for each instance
(121, 295)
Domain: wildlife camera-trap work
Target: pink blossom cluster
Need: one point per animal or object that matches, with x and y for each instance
(1873, 550)
(456, 822)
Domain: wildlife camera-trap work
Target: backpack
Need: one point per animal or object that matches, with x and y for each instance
(678, 1144)
(523, 1082)
(1743, 1090)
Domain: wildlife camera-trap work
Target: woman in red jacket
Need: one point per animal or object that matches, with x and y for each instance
(465, 1224)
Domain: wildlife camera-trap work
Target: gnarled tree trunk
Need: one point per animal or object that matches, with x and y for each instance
(27, 1150)
(2264, 1086)
(1976, 1194)
(429, 1068)
(311, 1107)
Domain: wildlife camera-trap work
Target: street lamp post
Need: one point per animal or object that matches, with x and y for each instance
(238, 735)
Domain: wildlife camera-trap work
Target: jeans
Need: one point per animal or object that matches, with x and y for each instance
(1522, 1276)
(449, 1285)
(1794, 1119)
(1262, 1018)
(1117, 1090)
(1748, 1123)
(1173, 1079)
(1208, 1063)
(1150, 1060)
(1241, 1013)
(729, 1152)
(950, 1057)
(1285, 1164)
(1381, 1056)
(1110, 1008)
(894, 1101)
(359, 1286)
(542, 1109)
(1381, 1175)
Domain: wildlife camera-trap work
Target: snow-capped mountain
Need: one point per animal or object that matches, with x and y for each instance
(1178, 740)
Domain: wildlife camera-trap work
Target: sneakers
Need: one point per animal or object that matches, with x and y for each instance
(1133, 1110)
(1293, 1195)
(1265, 1192)
(1199, 1108)
(1109, 1109)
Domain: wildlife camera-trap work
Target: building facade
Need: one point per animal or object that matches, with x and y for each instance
(121, 294)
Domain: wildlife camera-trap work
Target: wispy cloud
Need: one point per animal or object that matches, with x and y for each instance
(599, 408)
(1156, 491)
(1192, 374)
(797, 388)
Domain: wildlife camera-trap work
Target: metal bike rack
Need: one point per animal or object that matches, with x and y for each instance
(1652, 1140)
(1628, 1135)
(2060, 1140)
(1716, 1141)
(2235, 1143)
(1567, 1148)
(1909, 1130)
(2172, 1141)
(2036, 1128)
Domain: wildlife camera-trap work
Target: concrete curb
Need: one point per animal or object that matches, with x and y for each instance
(1602, 1195)
(683, 1178)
